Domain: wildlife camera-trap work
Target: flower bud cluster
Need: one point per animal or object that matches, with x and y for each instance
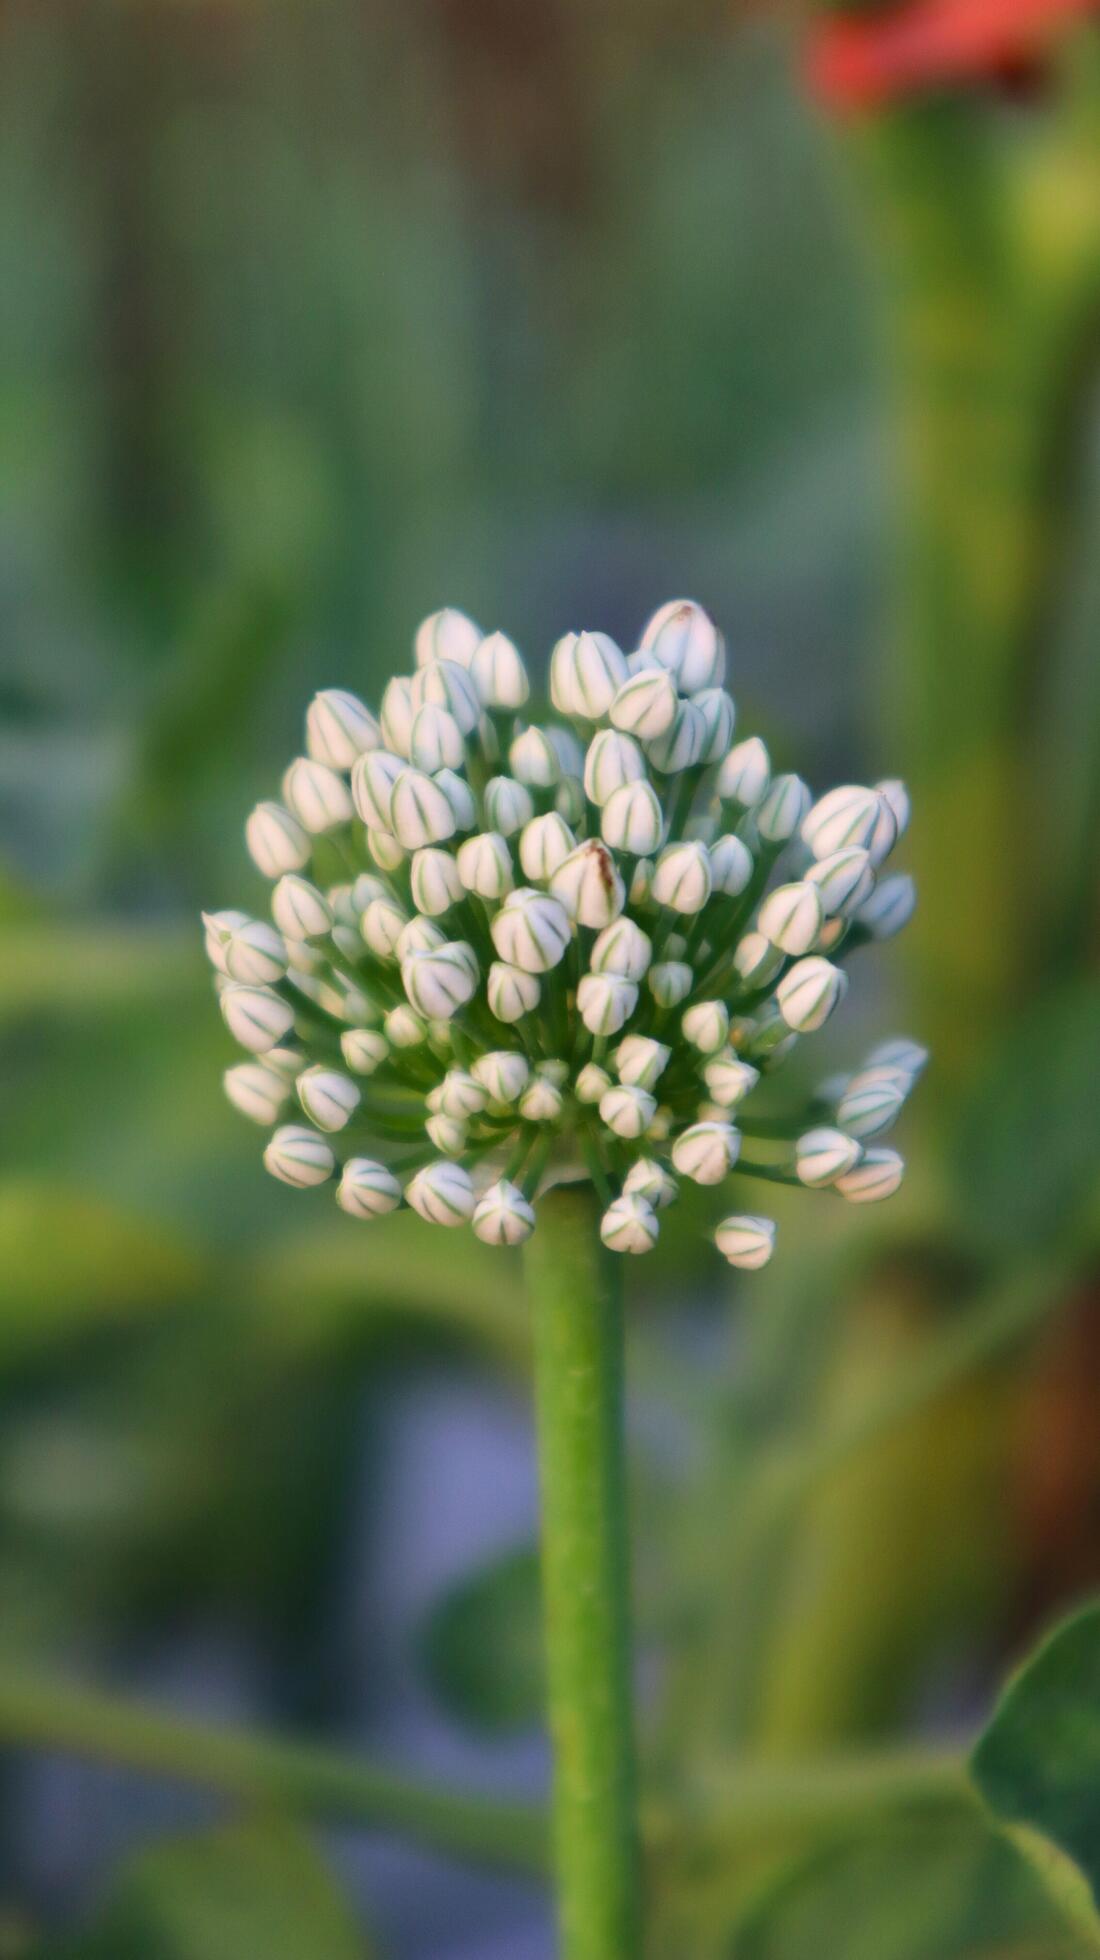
(503, 949)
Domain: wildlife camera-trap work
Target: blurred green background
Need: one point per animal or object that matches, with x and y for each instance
(316, 318)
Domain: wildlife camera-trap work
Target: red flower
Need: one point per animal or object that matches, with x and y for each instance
(860, 61)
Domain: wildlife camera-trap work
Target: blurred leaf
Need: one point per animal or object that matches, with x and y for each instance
(77, 969)
(1038, 1763)
(482, 1646)
(249, 1892)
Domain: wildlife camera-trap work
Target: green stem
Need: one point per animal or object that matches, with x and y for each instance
(576, 1305)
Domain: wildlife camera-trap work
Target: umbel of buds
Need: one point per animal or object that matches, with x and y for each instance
(506, 951)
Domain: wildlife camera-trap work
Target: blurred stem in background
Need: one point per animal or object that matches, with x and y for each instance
(575, 1291)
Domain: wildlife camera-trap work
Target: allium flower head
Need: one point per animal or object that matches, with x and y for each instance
(504, 950)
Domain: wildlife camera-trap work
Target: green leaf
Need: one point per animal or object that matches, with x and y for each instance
(482, 1646)
(1038, 1763)
(247, 1892)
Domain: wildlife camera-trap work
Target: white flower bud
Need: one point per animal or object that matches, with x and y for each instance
(586, 672)
(385, 849)
(442, 1193)
(508, 805)
(873, 1100)
(439, 982)
(568, 747)
(706, 1025)
(367, 1189)
(645, 705)
(446, 635)
(884, 835)
(670, 982)
(591, 1083)
(719, 716)
(875, 1177)
(730, 865)
(544, 844)
(299, 910)
(622, 948)
(339, 727)
(255, 1017)
(276, 840)
(485, 865)
(434, 881)
(781, 809)
(756, 960)
(435, 741)
(419, 812)
(792, 916)
(648, 1179)
(447, 1134)
(299, 1156)
(397, 715)
(542, 1101)
(843, 817)
(632, 819)
(685, 639)
(329, 1098)
(218, 930)
(808, 993)
(641, 884)
(823, 1155)
(257, 1091)
(286, 1062)
(503, 1215)
(382, 925)
(746, 1240)
(317, 796)
(253, 952)
(498, 673)
(460, 797)
(706, 1152)
(682, 878)
(627, 1109)
(629, 1224)
(605, 1002)
(641, 1061)
(533, 759)
(900, 1053)
(444, 684)
(372, 781)
(405, 1028)
(729, 1079)
(363, 1049)
(612, 760)
(589, 885)
(894, 793)
(532, 930)
(745, 774)
(683, 741)
(502, 1074)
(889, 907)
(844, 879)
(512, 993)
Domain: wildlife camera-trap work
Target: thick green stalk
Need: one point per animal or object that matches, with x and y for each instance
(576, 1307)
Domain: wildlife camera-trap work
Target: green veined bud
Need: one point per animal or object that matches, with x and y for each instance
(894, 793)
(682, 877)
(532, 930)
(372, 781)
(460, 1095)
(405, 1028)
(745, 774)
(419, 935)
(508, 805)
(382, 925)
(502, 1073)
(648, 1179)
(254, 953)
(299, 1156)
(420, 813)
(544, 844)
(485, 865)
(873, 1100)
(622, 948)
(842, 817)
(589, 886)
(367, 1189)
(446, 635)
(875, 1177)
(329, 1098)
(706, 1025)
(792, 916)
(445, 684)
(632, 819)
(756, 959)
(512, 993)
(503, 1216)
(682, 743)
(257, 1091)
(684, 638)
(592, 1082)
(434, 881)
(719, 716)
(447, 1134)
(497, 671)
(442, 1193)
(339, 727)
(385, 849)
(781, 809)
(299, 910)
(439, 982)
(629, 1224)
(670, 982)
(645, 705)
(255, 1017)
(627, 1109)
(706, 1152)
(899, 1052)
(542, 1101)
(823, 1155)
(641, 1061)
(843, 880)
(363, 1049)
(460, 797)
(606, 1002)
(889, 907)
(730, 865)
(316, 795)
(218, 930)
(808, 993)
(276, 840)
(729, 1079)
(435, 741)
(612, 760)
(586, 672)
(746, 1240)
(533, 760)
